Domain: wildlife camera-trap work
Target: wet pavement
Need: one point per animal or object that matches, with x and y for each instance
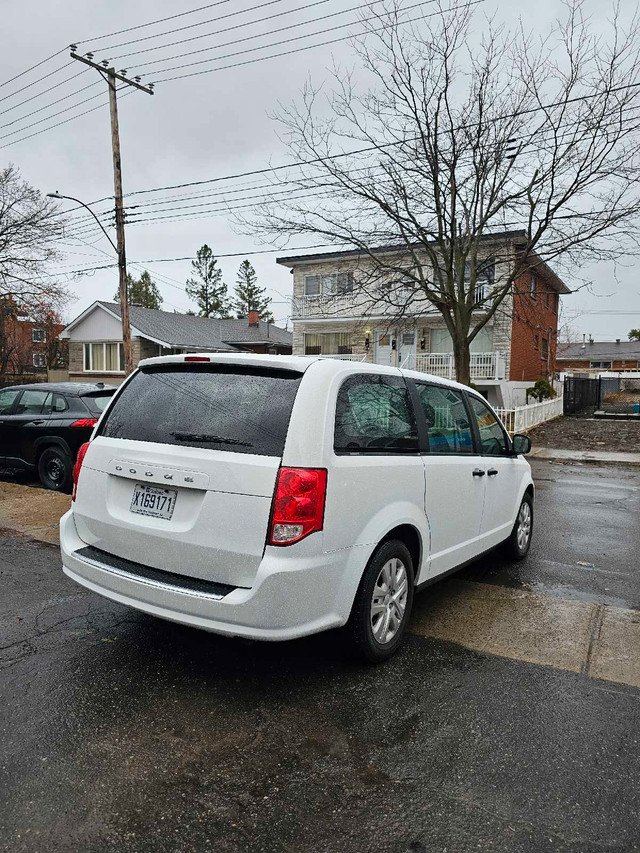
(121, 732)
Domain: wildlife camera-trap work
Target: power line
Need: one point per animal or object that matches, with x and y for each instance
(306, 47)
(46, 106)
(54, 115)
(275, 43)
(37, 65)
(65, 121)
(226, 30)
(39, 80)
(191, 26)
(152, 23)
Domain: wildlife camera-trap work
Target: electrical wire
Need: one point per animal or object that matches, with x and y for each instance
(54, 115)
(152, 23)
(218, 32)
(191, 26)
(46, 106)
(299, 49)
(37, 65)
(39, 80)
(276, 43)
(65, 121)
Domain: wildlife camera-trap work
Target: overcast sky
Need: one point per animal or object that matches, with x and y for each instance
(197, 128)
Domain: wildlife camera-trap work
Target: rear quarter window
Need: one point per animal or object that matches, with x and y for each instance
(97, 403)
(220, 407)
(374, 415)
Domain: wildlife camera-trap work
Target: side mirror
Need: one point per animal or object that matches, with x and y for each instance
(521, 444)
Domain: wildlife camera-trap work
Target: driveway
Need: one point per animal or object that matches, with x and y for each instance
(510, 721)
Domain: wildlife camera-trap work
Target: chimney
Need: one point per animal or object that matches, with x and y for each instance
(254, 318)
(617, 340)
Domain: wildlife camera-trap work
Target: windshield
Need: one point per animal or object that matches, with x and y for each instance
(221, 407)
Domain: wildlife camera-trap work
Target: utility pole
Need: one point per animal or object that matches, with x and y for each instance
(111, 75)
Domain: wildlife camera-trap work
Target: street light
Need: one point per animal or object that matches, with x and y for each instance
(86, 206)
(123, 289)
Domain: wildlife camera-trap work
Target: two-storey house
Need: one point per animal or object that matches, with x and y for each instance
(335, 316)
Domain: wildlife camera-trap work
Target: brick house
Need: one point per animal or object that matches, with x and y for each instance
(599, 356)
(95, 338)
(517, 346)
(27, 345)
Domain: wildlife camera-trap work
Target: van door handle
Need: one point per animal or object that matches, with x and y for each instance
(478, 472)
(41, 421)
(492, 472)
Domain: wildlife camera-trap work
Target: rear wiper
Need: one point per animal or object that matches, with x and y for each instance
(205, 437)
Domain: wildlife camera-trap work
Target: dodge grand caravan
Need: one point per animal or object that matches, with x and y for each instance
(272, 497)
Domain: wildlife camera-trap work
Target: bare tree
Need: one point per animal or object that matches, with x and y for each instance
(453, 131)
(29, 228)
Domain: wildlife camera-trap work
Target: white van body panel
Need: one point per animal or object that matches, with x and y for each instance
(218, 530)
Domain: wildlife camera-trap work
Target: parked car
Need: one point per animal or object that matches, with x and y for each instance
(277, 496)
(42, 426)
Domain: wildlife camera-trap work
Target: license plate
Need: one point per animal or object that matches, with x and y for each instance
(154, 501)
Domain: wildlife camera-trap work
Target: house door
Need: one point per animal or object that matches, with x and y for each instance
(407, 350)
(382, 351)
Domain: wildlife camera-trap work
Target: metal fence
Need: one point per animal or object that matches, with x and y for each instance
(580, 394)
(524, 417)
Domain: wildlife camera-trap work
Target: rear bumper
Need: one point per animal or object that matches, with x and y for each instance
(291, 596)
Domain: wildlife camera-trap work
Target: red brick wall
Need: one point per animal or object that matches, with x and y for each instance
(577, 364)
(532, 319)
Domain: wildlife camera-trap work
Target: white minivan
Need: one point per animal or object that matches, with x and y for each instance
(276, 496)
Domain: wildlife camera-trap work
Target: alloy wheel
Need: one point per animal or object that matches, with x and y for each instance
(523, 531)
(389, 600)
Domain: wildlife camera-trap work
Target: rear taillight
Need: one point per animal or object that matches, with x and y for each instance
(85, 422)
(298, 504)
(76, 468)
(197, 358)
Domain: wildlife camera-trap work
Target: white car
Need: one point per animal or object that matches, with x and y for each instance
(277, 496)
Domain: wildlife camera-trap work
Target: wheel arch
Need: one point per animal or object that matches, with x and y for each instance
(409, 536)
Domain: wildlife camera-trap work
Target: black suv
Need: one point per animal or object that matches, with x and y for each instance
(42, 427)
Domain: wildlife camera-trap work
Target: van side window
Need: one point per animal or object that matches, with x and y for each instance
(493, 440)
(374, 415)
(447, 420)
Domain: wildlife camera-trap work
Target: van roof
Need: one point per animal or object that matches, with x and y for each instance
(299, 363)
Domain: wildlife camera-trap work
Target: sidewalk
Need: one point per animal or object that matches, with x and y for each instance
(600, 456)
(35, 512)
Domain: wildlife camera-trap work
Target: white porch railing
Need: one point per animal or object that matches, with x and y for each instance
(484, 365)
(525, 417)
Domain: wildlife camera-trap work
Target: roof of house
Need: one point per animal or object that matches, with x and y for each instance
(186, 330)
(598, 350)
(554, 280)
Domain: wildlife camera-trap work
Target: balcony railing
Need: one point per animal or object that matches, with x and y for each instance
(323, 306)
(484, 365)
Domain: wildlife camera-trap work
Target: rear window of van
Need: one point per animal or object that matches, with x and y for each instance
(221, 407)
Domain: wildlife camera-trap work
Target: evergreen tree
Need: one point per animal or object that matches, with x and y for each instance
(208, 290)
(142, 291)
(249, 296)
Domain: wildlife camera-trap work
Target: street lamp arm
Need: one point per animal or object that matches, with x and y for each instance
(86, 206)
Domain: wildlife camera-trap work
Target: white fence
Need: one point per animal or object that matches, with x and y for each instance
(525, 417)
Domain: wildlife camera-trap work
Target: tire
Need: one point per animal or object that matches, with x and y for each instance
(364, 626)
(516, 547)
(55, 470)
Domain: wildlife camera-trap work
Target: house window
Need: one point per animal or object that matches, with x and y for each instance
(532, 286)
(554, 303)
(327, 343)
(335, 284)
(38, 336)
(104, 358)
(604, 365)
(536, 341)
(546, 298)
(441, 341)
(544, 349)
(39, 360)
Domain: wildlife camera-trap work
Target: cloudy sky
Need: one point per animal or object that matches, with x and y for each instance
(196, 128)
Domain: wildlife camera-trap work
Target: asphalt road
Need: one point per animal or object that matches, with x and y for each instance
(121, 732)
